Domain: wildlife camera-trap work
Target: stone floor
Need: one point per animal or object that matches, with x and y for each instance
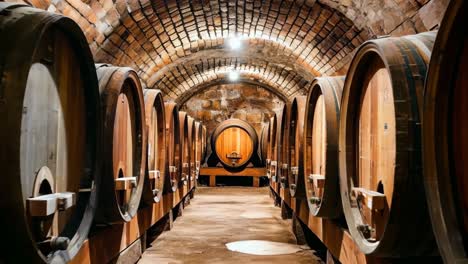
(221, 215)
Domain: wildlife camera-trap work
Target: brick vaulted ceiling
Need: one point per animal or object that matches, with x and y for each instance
(181, 47)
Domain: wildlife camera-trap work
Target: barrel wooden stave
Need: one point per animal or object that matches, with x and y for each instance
(125, 145)
(444, 135)
(321, 121)
(50, 82)
(155, 185)
(389, 76)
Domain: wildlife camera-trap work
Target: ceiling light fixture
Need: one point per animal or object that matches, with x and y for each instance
(233, 76)
(235, 43)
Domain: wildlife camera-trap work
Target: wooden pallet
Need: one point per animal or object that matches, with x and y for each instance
(212, 172)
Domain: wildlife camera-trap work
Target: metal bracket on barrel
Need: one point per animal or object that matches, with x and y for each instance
(46, 205)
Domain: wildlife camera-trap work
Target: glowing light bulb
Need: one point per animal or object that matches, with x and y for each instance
(235, 43)
(233, 76)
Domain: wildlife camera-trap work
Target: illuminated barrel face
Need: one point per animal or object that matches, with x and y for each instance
(234, 146)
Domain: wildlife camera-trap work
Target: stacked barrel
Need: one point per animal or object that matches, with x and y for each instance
(383, 150)
(83, 145)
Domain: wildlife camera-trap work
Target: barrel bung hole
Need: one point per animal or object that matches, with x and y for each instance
(45, 188)
(380, 187)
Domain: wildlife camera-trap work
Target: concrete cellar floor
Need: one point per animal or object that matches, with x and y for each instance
(221, 215)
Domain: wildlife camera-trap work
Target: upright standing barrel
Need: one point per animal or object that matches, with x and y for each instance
(296, 146)
(50, 138)
(445, 131)
(158, 180)
(173, 143)
(192, 151)
(124, 148)
(234, 143)
(321, 124)
(380, 155)
(185, 153)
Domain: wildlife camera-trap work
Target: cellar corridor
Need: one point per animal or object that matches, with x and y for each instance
(217, 216)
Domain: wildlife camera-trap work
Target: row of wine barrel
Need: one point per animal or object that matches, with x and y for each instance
(80, 143)
(387, 145)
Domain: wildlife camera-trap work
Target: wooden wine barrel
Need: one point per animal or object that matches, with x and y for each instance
(278, 151)
(445, 131)
(204, 144)
(51, 137)
(185, 149)
(192, 152)
(263, 144)
(158, 180)
(234, 142)
(125, 143)
(173, 143)
(380, 155)
(198, 147)
(283, 155)
(322, 116)
(271, 162)
(296, 147)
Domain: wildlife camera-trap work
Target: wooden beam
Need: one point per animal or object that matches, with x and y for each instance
(125, 183)
(318, 180)
(46, 205)
(253, 172)
(154, 174)
(371, 199)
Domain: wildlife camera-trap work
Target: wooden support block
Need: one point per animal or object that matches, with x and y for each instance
(125, 183)
(46, 205)
(371, 199)
(256, 181)
(317, 180)
(212, 180)
(154, 174)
